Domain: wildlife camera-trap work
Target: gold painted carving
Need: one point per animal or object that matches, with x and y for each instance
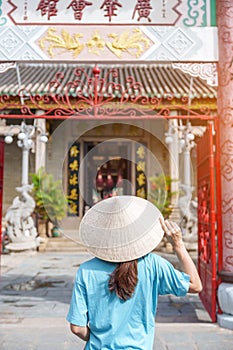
(95, 44)
(134, 43)
(64, 41)
(128, 42)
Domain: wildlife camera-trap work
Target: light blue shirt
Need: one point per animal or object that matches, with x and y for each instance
(115, 324)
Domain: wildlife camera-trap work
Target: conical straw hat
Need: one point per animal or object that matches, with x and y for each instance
(121, 228)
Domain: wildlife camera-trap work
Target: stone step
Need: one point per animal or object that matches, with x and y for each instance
(64, 249)
(61, 244)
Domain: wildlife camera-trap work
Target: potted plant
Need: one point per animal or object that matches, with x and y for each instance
(49, 198)
(160, 193)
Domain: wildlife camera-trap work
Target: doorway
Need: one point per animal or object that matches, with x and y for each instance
(107, 171)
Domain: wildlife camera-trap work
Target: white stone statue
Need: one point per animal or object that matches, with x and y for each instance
(189, 223)
(19, 223)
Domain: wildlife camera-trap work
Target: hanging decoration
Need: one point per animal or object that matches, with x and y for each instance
(99, 181)
(109, 180)
(141, 180)
(73, 182)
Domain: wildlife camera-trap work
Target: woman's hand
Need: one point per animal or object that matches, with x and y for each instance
(172, 232)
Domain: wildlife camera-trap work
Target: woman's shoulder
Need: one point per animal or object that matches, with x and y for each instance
(152, 257)
(97, 264)
(154, 260)
(90, 263)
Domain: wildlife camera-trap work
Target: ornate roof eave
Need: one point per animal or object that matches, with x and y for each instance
(102, 94)
(205, 71)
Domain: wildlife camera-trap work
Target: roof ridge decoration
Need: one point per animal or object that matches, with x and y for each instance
(4, 66)
(98, 94)
(205, 71)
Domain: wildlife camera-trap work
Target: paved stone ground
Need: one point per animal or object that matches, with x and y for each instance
(34, 299)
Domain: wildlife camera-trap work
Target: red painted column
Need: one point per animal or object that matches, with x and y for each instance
(225, 112)
(1, 188)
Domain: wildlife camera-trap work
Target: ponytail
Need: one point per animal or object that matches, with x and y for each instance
(123, 279)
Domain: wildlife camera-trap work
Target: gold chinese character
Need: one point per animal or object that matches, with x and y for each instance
(73, 194)
(141, 192)
(141, 179)
(73, 180)
(74, 166)
(74, 151)
(141, 152)
(141, 166)
(73, 208)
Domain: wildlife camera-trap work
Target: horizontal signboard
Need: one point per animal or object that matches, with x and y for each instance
(98, 12)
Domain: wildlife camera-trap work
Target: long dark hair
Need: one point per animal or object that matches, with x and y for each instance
(123, 279)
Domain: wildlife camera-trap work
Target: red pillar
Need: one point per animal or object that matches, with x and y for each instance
(1, 187)
(225, 112)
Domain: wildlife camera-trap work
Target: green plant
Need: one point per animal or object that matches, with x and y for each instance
(49, 197)
(160, 193)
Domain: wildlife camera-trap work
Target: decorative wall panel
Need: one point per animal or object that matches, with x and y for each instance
(128, 43)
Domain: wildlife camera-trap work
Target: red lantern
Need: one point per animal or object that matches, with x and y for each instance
(99, 181)
(119, 179)
(109, 181)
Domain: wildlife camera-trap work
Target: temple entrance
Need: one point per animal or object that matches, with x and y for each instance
(108, 170)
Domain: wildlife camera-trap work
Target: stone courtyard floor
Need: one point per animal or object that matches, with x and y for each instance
(35, 293)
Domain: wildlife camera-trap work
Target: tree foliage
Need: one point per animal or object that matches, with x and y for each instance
(49, 197)
(160, 193)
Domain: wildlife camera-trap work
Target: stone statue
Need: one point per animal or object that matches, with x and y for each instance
(19, 223)
(189, 223)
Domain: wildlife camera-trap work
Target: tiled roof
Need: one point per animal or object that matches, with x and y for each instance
(156, 80)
